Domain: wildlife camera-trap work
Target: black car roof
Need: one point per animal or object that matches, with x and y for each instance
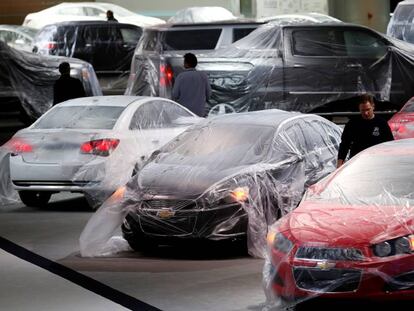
(97, 22)
(269, 117)
(195, 25)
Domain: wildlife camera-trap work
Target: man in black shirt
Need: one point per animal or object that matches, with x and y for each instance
(364, 131)
(66, 87)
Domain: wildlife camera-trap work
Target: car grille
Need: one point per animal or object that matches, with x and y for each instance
(322, 253)
(401, 282)
(327, 281)
(170, 204)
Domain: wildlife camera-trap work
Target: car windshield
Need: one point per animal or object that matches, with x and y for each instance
(80, 117)
(409, 107)
(373, 179)
(219, 146)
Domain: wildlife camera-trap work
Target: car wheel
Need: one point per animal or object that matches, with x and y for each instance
(35, 198)
(137, 241)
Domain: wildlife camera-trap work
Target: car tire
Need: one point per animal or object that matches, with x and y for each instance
(35, 198)
(136, 241)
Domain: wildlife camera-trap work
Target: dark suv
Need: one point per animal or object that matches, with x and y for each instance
(107, 46)
(158, 57)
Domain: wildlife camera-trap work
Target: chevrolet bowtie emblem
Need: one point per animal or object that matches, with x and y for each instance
(165, 213)
(324, 265)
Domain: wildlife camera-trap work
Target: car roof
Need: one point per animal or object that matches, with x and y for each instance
(392, 148)
(116, 100)
(269, 117)
(95, 22)
(237, 22)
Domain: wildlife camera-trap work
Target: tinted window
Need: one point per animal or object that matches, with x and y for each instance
(80, 117)
(318, 42)
(130, 35)
(200, 39)
(239, 33)
(364, 44)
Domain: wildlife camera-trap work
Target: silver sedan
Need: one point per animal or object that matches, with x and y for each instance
(91, 145)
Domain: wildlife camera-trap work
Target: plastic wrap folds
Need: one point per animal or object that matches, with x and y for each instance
(294, 65)
(26, 80)
(226, 178)
(351, 237)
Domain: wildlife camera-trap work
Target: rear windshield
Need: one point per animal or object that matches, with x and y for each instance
(80, 117)
(401, 23)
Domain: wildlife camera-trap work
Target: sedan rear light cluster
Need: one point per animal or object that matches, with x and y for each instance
(100, 147)
(166, 75)
(50, 45)
(18, 146)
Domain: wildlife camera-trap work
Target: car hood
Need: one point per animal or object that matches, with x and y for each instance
(316, 222)
(183, 180)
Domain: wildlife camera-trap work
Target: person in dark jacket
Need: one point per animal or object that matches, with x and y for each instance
(66, 87)
(363, 132)
(110, 16)
(192, 88)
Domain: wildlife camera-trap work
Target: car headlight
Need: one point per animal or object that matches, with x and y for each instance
(401, 245)
(282, 243)
(228, 193)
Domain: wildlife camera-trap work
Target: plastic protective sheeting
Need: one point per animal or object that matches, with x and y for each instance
(400, 25)
(91, 145)
(107, 46)
(352, 236)
(222, 178)
(402, 123)
(206, 14)
(7, 193)
(26, 79)
(294, 65)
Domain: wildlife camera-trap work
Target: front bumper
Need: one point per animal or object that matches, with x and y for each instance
(390, 278)
(191, 221)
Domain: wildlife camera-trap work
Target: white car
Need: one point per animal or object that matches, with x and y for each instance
(83, 11)
(18, 37)
(91, 145)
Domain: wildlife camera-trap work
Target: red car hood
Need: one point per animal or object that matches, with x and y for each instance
(334, 224)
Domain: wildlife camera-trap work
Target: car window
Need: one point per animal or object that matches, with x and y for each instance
(130, 35)
(72, 11)
(239, 33)
(96, 34)
(318, 42)
(94, 12)
(157, 114)
(80, 117)
(409, 107)
(364, 44)
(294, 136)
(149, 41)
(7, 36)
(199, 39)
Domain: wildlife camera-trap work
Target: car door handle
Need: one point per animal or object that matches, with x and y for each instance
(354, 65)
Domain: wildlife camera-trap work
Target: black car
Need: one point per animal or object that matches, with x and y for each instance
(226, 176)
(26, 85)
(109, 47)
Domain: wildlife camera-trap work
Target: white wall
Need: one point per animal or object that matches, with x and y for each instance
(275, 7)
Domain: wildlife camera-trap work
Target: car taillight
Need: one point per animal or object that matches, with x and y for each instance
(18, 146)
(50, 45)
(101, 147)
(166, 75)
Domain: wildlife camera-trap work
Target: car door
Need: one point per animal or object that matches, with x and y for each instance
(316, 67)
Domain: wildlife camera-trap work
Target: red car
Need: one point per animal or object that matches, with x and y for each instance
(352, 236)
(402, 123)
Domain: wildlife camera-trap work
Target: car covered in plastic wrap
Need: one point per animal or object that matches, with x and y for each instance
(295, 65)
(26, 81)
(225, 178)
(400, 24)
(91, 145)
(352, 236)
(402, 123)
(84, 11)
(18, 37)
(109, 48)
(203, 14)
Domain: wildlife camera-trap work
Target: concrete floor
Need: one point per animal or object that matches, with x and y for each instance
(170, 279)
